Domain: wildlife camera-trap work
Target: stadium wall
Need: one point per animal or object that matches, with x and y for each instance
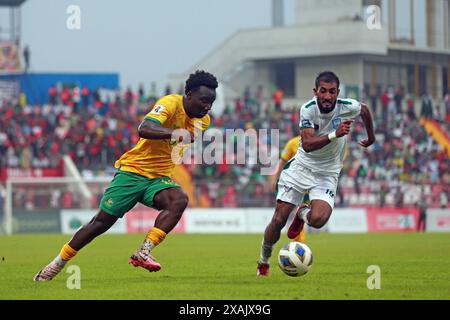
(35, 85)
(244, 220)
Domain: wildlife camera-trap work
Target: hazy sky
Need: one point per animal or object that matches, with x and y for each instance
(143, 40)
(146, 40)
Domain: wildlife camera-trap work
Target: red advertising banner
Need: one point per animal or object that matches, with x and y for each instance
(391, 220)
(141, 219)
(6, 173)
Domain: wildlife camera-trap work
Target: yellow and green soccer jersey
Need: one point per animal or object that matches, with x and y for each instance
(152, 158)
(290, 149)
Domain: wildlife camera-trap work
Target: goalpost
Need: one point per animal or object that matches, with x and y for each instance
(29, 193)
(35, 197)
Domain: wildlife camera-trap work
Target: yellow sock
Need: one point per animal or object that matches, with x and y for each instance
(301, 237)
(67, 252)
(155, 236)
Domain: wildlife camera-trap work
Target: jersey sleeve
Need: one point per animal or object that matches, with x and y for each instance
(163, 110)
(352, 108)
(306, 117)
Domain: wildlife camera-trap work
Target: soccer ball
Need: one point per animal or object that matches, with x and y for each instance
(295, 259)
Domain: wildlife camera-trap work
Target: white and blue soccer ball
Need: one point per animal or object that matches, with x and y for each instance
(295, 259)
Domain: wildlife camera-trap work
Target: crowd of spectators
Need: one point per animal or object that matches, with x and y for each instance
(95, 127)
(36, 136)
(390, 173)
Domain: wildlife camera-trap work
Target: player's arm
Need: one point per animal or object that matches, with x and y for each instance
(149, 129)
(368, 123)
(311, 142)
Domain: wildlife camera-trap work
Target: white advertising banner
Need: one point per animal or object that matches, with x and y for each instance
(347, 221)
(258, 219)
(215, 221)
(438, 220)
(71, 220)
(255, 220)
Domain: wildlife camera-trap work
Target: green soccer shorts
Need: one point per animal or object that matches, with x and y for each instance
(126, 189)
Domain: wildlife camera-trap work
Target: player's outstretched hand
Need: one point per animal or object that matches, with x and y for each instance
(366, 142)
(344, 128)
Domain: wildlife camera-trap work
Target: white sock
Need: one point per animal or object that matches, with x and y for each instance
(303, 214)
(58, 260)
(147, 245)
(266, 253)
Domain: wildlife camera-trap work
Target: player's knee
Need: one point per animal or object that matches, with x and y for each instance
(317, 221)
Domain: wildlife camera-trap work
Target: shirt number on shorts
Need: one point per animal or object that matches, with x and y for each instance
(330, 193)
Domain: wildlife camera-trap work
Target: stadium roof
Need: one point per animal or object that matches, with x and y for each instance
(11, 3)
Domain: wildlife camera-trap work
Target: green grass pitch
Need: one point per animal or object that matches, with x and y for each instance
(222, 267)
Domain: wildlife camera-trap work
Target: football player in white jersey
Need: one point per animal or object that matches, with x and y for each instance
(325, 122)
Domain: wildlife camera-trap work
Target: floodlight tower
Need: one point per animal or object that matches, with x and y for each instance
(277, 13)
(12, 32)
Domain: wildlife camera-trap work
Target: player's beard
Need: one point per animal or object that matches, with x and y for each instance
(326, 109)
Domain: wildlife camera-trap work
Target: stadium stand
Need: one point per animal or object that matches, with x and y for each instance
(94, 135)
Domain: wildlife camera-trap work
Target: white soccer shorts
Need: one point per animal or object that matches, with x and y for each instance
(296, 181)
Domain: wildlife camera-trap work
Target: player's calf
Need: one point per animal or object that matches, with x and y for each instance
(178, 206)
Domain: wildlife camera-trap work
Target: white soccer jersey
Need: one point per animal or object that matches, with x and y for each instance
(329, 158)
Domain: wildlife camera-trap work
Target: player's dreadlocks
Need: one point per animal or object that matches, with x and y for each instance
(328, 77)
(200, 78)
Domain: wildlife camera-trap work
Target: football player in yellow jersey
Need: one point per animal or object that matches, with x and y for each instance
(295, 231)
(144, 174)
